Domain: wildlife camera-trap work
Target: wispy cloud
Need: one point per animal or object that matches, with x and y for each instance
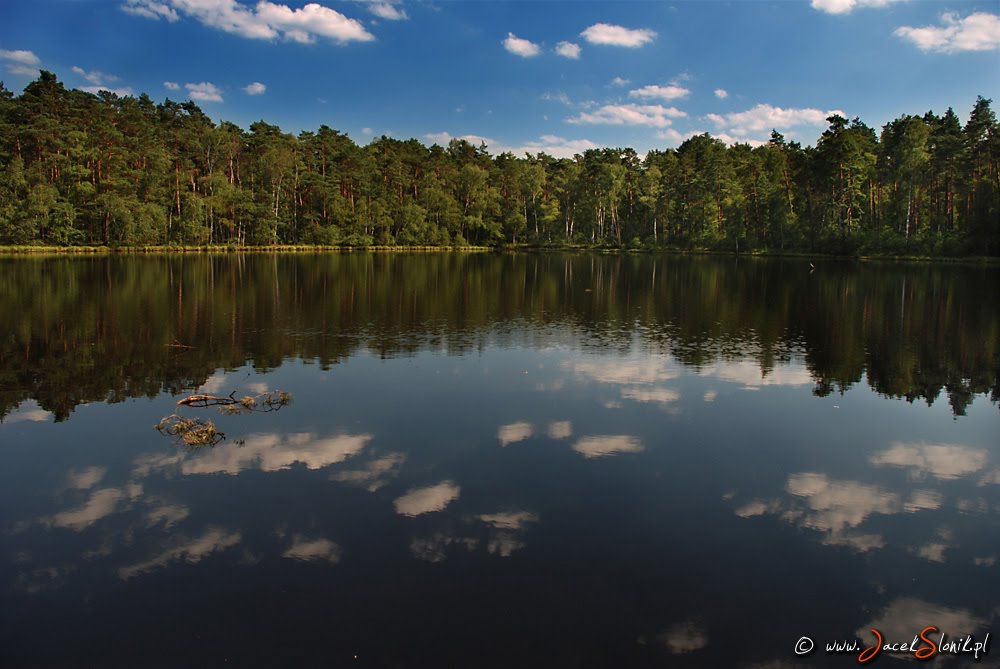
(94, 76)
(266, 20)
(171, 85)
(656, 116)
(611, 35)
(602, 446)
(419, 501)
(763, 118)
(100, 81)
(256, 88)
(514, 432)
(619, 81)
(21, 62)
(390, 10)
(568, 50)
(204, 92)
(151, 9)
(976, 32)
(521, 47)
(665, 93)
(552, 145)
(123, 91)
(721, 93)
(847, 6)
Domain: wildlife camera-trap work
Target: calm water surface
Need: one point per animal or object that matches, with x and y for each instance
(496, 461)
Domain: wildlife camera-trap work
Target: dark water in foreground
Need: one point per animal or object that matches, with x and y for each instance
(496, 461)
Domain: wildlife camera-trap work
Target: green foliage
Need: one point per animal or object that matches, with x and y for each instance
(76, 168)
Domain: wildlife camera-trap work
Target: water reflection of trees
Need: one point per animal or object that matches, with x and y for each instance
(105, 329)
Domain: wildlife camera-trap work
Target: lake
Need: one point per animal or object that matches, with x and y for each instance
(496, 460)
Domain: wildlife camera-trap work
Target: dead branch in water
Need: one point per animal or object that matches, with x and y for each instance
(261, 403)
(198, 432)
(193, 432)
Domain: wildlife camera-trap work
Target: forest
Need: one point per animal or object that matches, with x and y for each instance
(82, 169)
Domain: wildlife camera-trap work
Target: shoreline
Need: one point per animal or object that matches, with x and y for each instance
(35, 251)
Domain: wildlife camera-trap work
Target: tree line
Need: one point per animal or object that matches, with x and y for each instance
(85, 169)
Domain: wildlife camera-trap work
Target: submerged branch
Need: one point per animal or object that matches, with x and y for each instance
(262, 402)
(198, 432)
(193, 432)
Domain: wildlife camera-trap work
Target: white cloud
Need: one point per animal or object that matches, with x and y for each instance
(655, 395)
(729, 139)
(427, 500)
(903, 616)
(766, 117)
(521, 47)
(150, 9)
(656, 116)
(599, 447)
(373, 475)
(101, 503)
(942, 461)
(269, 452)
(256, 88)
(388, 10)
(122, 92)
(205, 92)
(568, 50)
(100, 81)
(923, 500)
(88, 477)
(23, 70)
(94, 76)
(274, 452)
(510, 520)
(721, 93)
(762, 118)
(976, 32)
(674, 137)
(838, 505)
(28, 411)
(666, 93)
(266, 20)
(562, 429)
(684, 637)
(443, 138)
(366, 131)
(750, 375)
(645, 370)
(189, 550)
(551, 145)
(21, 62)
(558, 96)
(603, 33)
(216, 381)
(515, 432)
(171, 85)
(20, 56)
(618, 81)
(847, 6)
(313, 550)
(302, 25)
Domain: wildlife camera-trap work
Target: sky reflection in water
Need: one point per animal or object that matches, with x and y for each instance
(554, 495)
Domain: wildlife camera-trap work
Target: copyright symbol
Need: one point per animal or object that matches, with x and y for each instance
(804, 646)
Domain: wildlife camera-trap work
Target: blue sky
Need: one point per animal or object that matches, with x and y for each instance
(524, 76)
